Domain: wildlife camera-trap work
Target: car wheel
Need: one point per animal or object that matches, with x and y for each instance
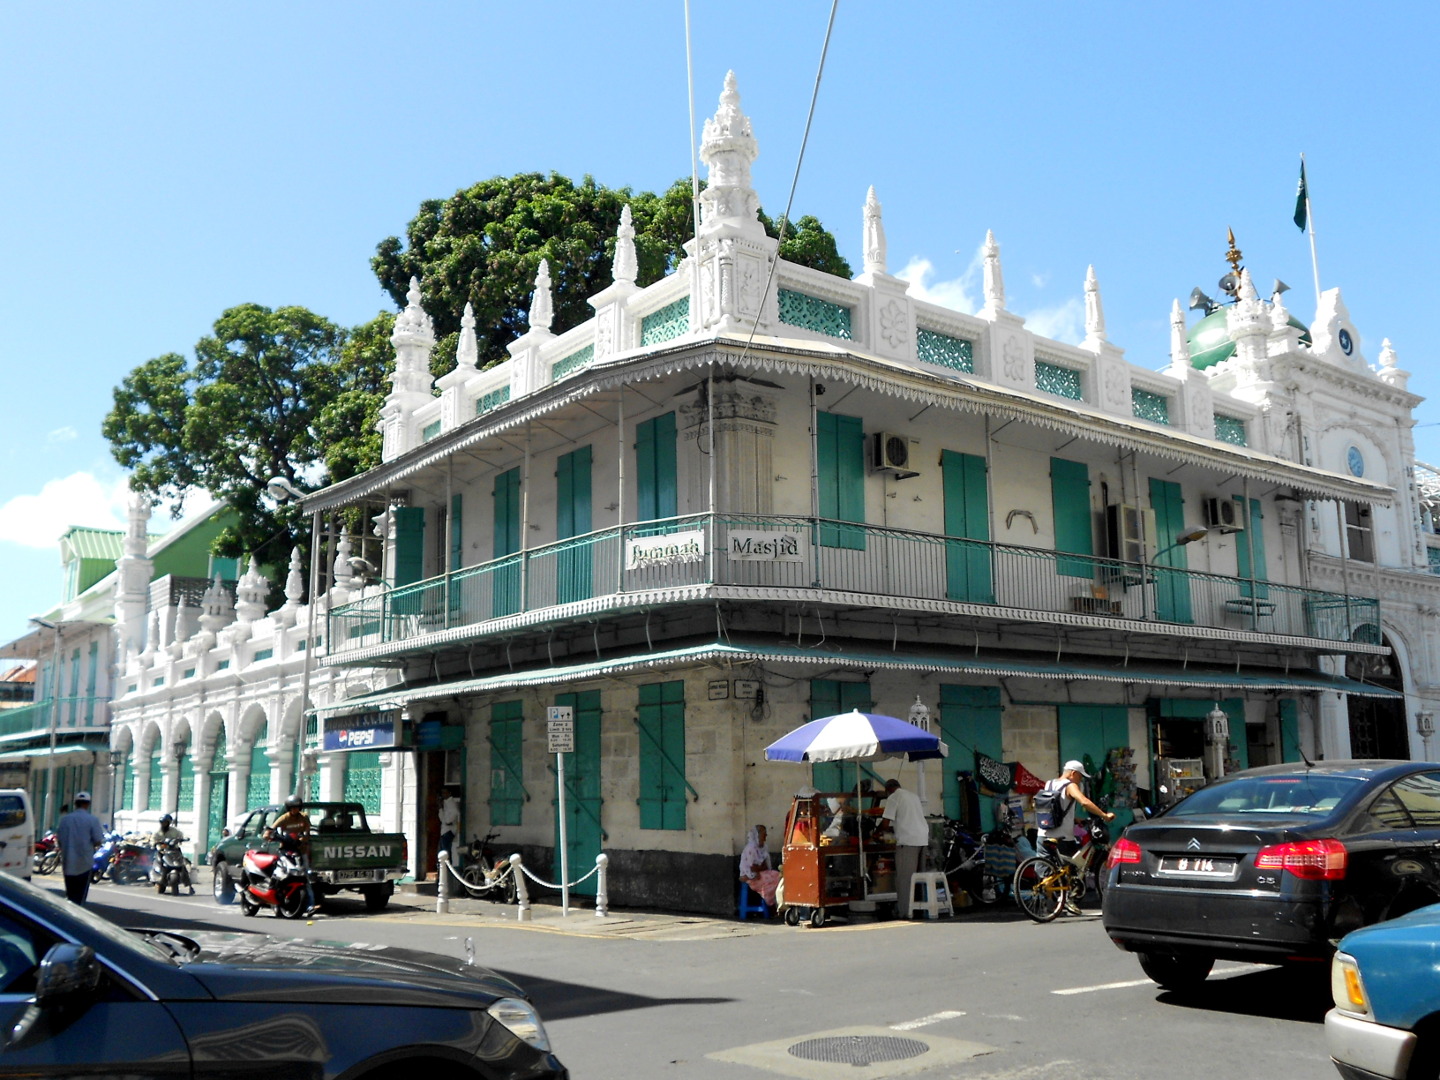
(222, 887)
(377, 896)
(1176, 971)
(248, 905)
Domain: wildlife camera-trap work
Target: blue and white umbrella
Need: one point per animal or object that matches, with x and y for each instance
(856, 736)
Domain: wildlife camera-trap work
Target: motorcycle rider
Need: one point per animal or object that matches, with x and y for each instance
(167, 833)
(296, 823)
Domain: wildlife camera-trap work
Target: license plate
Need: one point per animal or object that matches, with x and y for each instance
(356, 875)
(1197, 866)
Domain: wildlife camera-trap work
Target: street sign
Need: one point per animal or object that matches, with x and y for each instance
(560, 714)
(562, 742)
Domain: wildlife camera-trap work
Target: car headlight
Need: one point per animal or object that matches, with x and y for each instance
(521, 1019)
(1346, 986)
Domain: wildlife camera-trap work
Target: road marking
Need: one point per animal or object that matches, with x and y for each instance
(933, 1018)
(1223, 973)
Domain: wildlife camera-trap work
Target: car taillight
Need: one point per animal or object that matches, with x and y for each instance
(1309, 860)
(405, 851)
(1124, 851)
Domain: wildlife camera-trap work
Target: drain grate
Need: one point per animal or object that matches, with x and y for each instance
(858, 1049)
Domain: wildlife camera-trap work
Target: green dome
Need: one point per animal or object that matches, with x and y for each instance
(1210, 341)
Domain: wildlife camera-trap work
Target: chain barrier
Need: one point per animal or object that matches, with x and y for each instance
(519, 871)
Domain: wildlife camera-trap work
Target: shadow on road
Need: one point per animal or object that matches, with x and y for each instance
(558, 1000)
(1301, 993)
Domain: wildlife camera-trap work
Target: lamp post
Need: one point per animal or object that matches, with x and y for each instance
(179, 755)
(1425, 725)
(920, 717)
(117, 759)
(55, 635)
(1217, 741)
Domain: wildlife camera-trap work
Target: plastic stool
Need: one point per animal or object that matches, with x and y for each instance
(751, 903)
(930, 894)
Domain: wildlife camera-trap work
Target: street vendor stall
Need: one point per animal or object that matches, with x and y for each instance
(833, 855)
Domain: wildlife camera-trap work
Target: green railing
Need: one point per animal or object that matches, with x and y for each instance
(795, 553)
(68, 713)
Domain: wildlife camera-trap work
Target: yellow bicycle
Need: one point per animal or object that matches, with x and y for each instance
(1043, 888)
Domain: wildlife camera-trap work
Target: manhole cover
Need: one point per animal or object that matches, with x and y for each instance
(858, 1049)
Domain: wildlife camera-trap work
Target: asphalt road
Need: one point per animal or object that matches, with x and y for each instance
(985, 995)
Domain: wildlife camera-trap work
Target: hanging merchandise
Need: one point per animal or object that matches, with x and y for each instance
(1120, 765)
(996, 777)
(1026, 782)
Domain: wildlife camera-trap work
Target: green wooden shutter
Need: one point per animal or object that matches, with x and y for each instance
(127, 796)
(507, 790)
(157, 776)
(662, 755)
(830, 698)
(969, 721)
(583, 803)
(655, 469)
(1289, 730)
(457, 539)
(505, 498)
(573, 518)
(1074, 522)
(1089, 733)
(840, 461)
(409, 544)
(1251, 542)
(257, 785)
(1172, 590)
(967, 517)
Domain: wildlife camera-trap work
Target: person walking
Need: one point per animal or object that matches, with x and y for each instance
(906, 816)
(1059, 840)
(79, 834)
(449, 822)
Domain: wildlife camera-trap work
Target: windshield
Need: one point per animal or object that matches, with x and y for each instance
(1307, 794)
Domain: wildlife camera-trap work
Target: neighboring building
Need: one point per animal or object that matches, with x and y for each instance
(17, 686)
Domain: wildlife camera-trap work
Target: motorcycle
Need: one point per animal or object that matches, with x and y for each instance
(131, 862)
(275, 879)
(104, 854)
(486, 876)
(46, 855)
(170, 869)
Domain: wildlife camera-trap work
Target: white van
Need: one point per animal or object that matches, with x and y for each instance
(17, 832)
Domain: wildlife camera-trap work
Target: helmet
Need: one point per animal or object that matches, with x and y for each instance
(166, 819)
(292, 802)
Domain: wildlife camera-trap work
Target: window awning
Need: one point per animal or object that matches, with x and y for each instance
(725, 653)
(62, 751)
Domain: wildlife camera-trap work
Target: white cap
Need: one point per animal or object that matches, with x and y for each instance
(82, 796)
(1076, 766)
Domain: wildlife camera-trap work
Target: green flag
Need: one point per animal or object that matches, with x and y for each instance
(1302, 200)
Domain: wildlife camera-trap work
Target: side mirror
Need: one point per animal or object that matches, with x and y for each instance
(66, 969)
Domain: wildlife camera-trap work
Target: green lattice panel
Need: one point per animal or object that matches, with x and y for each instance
(127, 796)
(812, 313)
(157, 783)
(666, 323)
(1230, 429)
(362, 780)
(1433, 554)
(574, 362)
(493, 400)
(1054, 379)
(185, 794)
(257, 784)
(219, 792)
(429, 431)
(1148, 406)
(945, 351)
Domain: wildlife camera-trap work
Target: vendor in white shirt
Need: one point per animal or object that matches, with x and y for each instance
(906, 817)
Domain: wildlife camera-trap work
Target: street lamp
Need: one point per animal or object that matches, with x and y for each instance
(1189, 536)
(117, 759)
(920, 717)
(1217, 739)
(55, 635)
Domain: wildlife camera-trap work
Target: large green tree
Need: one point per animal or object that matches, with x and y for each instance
(483, 245)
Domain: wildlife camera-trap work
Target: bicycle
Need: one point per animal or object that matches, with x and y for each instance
(484, 874)
(1043, 889)
(969, 864)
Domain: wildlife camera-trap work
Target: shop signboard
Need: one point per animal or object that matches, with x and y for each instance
(677, 547)
(754, 545)
(362, 731)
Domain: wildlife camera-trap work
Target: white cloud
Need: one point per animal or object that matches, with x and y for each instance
(1039, 280)
(1063, 322)
(64, 434)
(36, 521)
(959, 294)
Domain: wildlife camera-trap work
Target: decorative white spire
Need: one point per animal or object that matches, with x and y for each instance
(626, 267)
(344, 576)
(1247, 287)
(137, 508)
(467, 353)
(1179, 337)
(728, 148)
(1388, 359)
(874, 239)
(294, 591)
(994, 277)
(542, 310)
(184, 622)
(1094, 309)
(217, 609)
(413, 322)
(413, 338)
(250, 593)
(1279, 314)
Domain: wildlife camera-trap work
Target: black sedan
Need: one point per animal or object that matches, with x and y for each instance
(79, 996)
(1274, 865)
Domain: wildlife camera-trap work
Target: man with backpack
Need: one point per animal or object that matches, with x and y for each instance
(1055, 816)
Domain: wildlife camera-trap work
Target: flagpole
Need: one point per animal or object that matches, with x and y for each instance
(1310, 228)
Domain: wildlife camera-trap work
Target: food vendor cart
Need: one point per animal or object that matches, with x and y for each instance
(849, 866)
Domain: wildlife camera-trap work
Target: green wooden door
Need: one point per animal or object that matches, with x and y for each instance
(967, 517)
(1172, 590)
(219, 792)
(572, 518)
(505, 579)
(1088, 733)
(584, 835)
(507, 762)
(1290, 730)
(840, 479)
(969, 721)
(1074, 522)
(830, 698)
(662, 755)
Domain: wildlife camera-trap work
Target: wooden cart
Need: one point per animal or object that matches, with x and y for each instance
(819, 874)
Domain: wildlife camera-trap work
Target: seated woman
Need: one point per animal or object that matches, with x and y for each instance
(755, 869)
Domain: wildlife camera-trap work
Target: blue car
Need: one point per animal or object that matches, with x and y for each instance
(1386, 983)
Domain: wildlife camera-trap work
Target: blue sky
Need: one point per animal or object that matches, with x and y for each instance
(165, 162)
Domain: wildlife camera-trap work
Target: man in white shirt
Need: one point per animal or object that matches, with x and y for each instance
(79, 834)
(906, 816)
(449, 821)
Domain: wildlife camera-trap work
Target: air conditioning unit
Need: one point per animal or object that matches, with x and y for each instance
(892, 454)
(1224, 514)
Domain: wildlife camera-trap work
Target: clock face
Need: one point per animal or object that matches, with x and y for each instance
(1347, 346)
(1356, 461)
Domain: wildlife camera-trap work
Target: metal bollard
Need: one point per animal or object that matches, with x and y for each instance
(522, 893)
(602, 894)
(442, 891)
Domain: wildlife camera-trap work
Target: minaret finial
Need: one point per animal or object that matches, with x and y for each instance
(1179, 337)
(874, 238)
(467, 354)
(1233, 256)
(728, 147)
(994, 277)
(626, 266)
(542, 311)
(1094, 309)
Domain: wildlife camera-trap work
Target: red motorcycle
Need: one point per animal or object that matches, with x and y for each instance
(276, 879)
(46, 855)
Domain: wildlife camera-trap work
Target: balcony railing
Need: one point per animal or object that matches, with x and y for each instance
(69, 713)
(792, 553)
